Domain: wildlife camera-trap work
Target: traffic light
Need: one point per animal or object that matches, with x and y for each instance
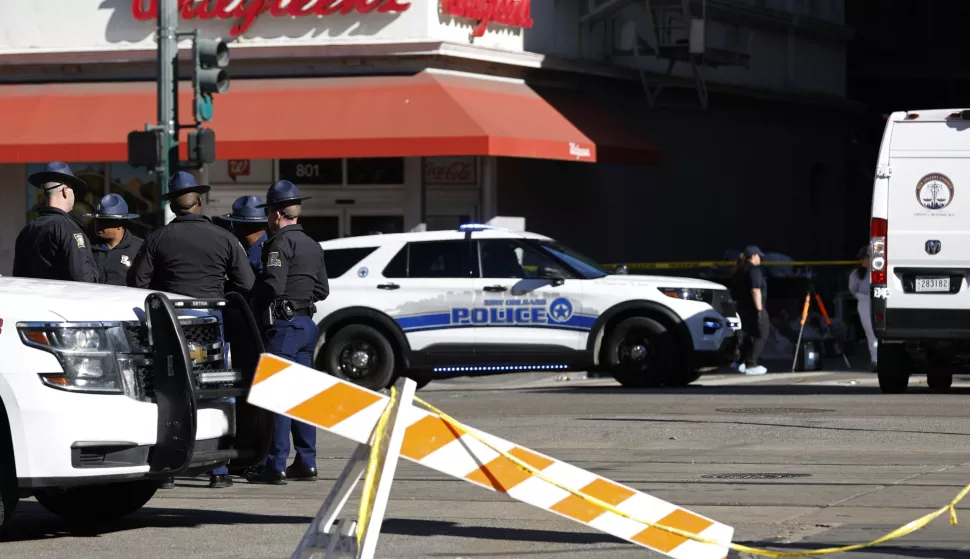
(211, 58)
(202, 147)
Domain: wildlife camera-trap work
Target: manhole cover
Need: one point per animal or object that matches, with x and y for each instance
(773, 411)
(754, 476)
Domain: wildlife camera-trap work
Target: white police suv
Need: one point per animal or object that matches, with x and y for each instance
(484, 300)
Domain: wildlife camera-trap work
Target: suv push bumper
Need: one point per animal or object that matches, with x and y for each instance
(180, 401)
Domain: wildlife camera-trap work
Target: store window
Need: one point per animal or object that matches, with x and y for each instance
(84, 202)
(139, 188)
(375, 170)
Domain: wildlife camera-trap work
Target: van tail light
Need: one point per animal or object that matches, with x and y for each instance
(878, 229)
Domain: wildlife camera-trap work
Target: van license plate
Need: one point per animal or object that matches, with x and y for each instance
(932, 285)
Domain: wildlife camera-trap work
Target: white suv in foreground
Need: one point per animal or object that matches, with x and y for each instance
(105, 391)
(483, 300)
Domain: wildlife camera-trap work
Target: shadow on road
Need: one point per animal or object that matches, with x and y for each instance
(883, 551)
(409, 527)
(33, 522)
(744, 390)
(762, 424)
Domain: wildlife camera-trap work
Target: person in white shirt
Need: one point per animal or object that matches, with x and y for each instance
(859, 287)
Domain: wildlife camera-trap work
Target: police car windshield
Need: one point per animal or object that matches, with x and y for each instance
(586, 266)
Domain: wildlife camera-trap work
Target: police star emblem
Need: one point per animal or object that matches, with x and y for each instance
(274, 260)
(79, 239)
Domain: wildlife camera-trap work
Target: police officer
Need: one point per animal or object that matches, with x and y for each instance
(292, 279)
(248, 223)
(191, 255)
(194, 257)
(118, 247)
(53, 245)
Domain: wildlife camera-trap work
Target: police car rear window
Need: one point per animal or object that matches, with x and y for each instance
(339, 260)
(433, 259)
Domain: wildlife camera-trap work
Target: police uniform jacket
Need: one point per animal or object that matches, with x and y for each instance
(114, 263)
(194, 257)
(255, 255)
(54, 246)
(293, 269)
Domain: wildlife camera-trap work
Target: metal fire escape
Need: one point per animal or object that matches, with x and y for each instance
(679, 33)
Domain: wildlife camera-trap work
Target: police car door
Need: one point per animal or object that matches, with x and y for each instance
(427, 288)
(525, 301)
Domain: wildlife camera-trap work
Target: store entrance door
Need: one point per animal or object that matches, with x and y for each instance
(351, 223)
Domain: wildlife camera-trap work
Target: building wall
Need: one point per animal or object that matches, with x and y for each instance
(738, 174)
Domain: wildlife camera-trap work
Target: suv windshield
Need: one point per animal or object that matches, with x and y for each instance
(586, 266)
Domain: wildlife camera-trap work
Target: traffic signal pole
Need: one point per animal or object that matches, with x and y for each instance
(168, 51)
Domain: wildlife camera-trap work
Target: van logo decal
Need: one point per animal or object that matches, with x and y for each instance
(933, 247)
(934, 191)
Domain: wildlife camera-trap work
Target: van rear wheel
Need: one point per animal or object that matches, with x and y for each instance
(939, 381)
(894, 368)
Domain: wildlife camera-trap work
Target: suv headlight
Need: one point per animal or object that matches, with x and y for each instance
(87, 353)
(690, 294)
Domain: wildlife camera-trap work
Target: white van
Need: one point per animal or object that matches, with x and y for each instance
(920, 242)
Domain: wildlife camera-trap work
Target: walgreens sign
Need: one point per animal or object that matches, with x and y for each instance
(248, 11)
(515, 13)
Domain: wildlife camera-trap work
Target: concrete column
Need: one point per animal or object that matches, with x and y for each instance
(413, 202)
(489, 204)
(13, 212)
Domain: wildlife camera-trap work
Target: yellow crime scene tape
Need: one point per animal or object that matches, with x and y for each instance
(369, 492)
(727, 264)
(905, 530)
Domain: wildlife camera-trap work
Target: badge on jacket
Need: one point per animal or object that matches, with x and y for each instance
(79, 238)
(125, 261)
(274, 260)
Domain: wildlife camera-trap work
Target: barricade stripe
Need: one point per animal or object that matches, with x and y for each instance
(270, 368)
(333, 405)
(665, 541)
(426, 436)
(500, 474)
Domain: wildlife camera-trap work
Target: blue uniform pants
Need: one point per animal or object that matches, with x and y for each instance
(293, 340)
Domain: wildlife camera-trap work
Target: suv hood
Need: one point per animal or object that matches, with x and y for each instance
(658, 281)
(36, 299)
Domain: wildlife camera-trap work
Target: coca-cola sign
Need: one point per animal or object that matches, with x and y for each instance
(450, 170)
(248, 11)
(515, 13)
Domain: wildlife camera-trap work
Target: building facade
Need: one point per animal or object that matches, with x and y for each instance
(635, 131)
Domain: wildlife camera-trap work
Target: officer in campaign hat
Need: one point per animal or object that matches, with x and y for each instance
(53, 245)
(292, 280)
(119, 246)
(194, 257)
(248, 223)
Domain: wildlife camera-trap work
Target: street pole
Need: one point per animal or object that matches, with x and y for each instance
(167, 98)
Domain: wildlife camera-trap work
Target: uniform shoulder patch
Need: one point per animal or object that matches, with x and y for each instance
(125, 261)
(274, 260)
(79, 239)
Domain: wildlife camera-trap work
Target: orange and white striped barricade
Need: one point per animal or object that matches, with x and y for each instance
(352, 412)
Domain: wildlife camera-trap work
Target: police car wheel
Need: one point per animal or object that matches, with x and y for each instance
(361, 355)
(641, 353)
(94, 503)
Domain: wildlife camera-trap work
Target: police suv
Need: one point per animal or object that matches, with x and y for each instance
(920, 247)
(486, 300)
(105, 391)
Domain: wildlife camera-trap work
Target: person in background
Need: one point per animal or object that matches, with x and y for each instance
(53, 245)
(859, 287)
(194, 257)
(752, 292)
(292, 279)
(118, 247)
(248, 224)
(736, 270)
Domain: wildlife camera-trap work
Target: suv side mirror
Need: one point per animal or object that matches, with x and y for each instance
(558, 275)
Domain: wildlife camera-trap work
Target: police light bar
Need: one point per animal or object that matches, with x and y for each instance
(478, 227)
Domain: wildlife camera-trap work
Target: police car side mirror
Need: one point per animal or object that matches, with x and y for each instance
(621, 270)
(552, 273)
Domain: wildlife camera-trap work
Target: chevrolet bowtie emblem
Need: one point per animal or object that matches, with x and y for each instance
(198, 354)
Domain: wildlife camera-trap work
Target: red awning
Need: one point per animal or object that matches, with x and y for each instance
(426, 114)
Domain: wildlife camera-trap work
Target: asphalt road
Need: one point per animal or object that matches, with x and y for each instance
(793, 462)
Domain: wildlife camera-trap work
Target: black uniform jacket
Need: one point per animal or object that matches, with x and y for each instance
(194, 257)
(54, 246)
(113, 264)
(293, 269)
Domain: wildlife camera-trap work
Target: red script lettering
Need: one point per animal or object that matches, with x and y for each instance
(516, 13)
(248, 11)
